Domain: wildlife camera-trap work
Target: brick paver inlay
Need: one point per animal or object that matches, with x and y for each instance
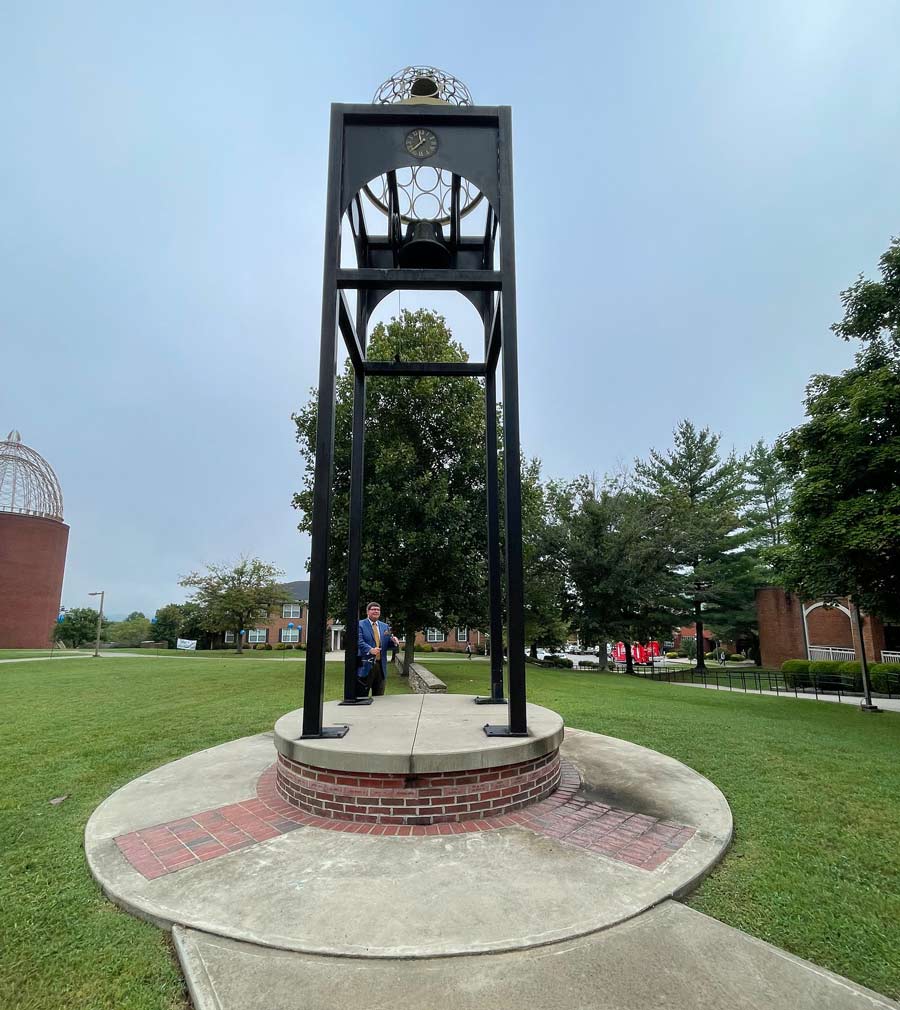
(636, 839)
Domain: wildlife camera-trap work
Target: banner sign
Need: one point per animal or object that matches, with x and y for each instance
(186, 643)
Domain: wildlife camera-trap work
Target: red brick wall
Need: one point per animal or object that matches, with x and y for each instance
(829, 626)
(780, 618)
(429, 798)
(32, 564)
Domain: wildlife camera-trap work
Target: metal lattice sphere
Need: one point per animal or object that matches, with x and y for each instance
(28, 485)
(422, 84)
(424, 191)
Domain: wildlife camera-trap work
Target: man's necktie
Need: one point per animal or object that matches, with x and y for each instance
(377, 634)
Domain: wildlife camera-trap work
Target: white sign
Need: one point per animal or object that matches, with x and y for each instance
(186, 643)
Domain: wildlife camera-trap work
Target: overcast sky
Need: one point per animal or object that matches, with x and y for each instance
(695, 184)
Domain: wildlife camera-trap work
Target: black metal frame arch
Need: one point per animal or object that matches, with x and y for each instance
(365, 142)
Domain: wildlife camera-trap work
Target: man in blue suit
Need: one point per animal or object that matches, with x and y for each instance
(374, 638)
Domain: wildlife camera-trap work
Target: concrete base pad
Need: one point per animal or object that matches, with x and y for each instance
(668, 957)
(332, 892)
(304, 914)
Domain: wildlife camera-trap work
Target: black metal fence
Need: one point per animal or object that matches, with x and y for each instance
(762, 681)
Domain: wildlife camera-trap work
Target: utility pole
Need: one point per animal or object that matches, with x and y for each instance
(99, 623)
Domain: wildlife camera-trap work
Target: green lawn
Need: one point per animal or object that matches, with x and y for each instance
(815, 790)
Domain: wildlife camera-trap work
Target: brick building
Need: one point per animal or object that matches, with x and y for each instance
(790, 628)
(33, 542)
(275, 626)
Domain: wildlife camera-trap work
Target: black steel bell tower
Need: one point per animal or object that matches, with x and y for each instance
(430, 163)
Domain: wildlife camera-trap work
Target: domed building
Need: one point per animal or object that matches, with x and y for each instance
(33, 541)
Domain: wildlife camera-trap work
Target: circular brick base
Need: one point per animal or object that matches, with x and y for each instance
(428, 798)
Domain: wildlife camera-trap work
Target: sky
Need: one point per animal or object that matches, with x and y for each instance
(695, 184)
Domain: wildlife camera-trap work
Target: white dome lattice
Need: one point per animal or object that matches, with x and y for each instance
(28, 485)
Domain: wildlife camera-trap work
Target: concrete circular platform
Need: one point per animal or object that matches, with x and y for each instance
(193, 843)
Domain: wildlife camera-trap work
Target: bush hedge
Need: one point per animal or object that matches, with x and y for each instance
(736, 657)
(281, 646)
(885, 677)
(796, 673)
(671, 655)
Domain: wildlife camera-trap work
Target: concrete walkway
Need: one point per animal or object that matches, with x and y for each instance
(568, 908)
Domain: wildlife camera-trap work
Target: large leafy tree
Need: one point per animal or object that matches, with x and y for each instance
(136, 628)
(79, 627)
(845, 529)
(844, 536)
(623, 577)
(702, 495)
(424, 529)
(545, 511)
(231, 597)
(179, 620)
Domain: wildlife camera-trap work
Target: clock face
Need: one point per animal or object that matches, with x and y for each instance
(421, 143)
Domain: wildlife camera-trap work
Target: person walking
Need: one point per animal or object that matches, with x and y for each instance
(468, 650)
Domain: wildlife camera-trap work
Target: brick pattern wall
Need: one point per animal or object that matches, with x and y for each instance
(32, 563)
(433, 798)
(829, 626)
(780, 618)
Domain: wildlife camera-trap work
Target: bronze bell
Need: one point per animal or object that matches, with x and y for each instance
(424, 247)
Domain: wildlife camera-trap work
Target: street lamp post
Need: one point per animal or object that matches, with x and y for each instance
(99, 622)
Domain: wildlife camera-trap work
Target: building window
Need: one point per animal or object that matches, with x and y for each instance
(229, 637)
(262, 614)
(434, 635)
(256, 635)
(290, 634)
(292, 610)
(462, 634)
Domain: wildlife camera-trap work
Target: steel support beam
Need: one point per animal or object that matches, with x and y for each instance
(495, 592)
(314, 685)
(420, 280)
(518, 722)
(348, 332)
(420, 368)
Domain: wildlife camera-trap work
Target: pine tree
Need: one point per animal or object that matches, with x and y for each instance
(702, 496)
(622, 570)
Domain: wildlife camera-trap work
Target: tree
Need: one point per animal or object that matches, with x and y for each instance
(768, 496)
(132, 631)
(622, 567)
(844, 535)
(872, 308)
(232, 598)
(702, 495)
(424, 530)
(79, 628)
(545, 510)
(179, 620)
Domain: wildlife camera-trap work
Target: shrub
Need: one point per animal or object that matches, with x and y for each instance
(796, 672)
(885, 677)
(281, 646)
(834, 673)
(268, 646)
(558, 662)
(589, 665)
(671, 655)
(259, 646)
(825, 667)
(736, 657)
(425, 648)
